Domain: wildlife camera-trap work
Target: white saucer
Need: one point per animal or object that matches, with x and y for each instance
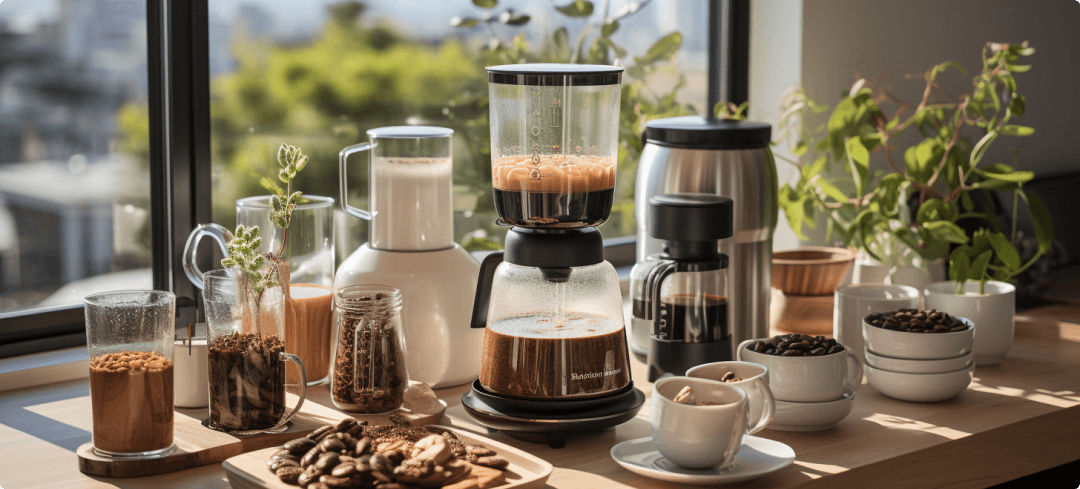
(812, 416)
(757, 457)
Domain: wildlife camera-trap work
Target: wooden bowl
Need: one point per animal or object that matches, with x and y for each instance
(805, 314)
(810, 270)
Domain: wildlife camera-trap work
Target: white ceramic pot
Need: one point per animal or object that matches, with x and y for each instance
(852, 303)
(755, 382)
(698, 437)
(991, 312)
(869, 271)
(920, 346)
(807, 379)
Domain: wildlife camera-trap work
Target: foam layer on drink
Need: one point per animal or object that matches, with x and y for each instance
(553, 173)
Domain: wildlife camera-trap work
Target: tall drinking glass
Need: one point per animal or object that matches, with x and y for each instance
(246, 355)
(129, 336)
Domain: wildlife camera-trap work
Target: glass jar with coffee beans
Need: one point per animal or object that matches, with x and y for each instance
(797, 345)
(369, 372)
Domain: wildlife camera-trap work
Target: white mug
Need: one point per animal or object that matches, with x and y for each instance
(807, 378)
(755, 382)
(699, 437)
(852, 303)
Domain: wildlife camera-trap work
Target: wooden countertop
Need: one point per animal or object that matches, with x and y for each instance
(1017, 418)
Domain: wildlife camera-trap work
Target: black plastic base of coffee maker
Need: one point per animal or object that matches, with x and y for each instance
(551, 422)
(676, 357)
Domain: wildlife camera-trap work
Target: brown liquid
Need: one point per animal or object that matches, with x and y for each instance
(131, 396)
(554, 190)
(529, 356)
(308, 330)
(692, 318)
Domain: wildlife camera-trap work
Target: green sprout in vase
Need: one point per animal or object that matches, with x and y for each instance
(244, 247)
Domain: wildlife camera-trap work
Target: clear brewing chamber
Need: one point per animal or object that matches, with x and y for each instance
(555, 333)
(554, 142)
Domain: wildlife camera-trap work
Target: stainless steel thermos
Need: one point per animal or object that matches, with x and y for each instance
(727, 158)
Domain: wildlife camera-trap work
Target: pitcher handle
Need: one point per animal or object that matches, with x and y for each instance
(220, 235)
(854, 364)
(303, 388)
(343, 156)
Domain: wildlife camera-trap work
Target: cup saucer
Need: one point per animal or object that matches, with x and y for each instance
(757, 457)
(812, 416)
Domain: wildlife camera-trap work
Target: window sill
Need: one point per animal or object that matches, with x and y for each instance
(38, 369)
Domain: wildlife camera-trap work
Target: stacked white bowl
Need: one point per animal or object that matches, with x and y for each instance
(919, 367)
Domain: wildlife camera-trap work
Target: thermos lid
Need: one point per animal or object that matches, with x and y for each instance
(555, 74)
(690, 217)
(695, 132)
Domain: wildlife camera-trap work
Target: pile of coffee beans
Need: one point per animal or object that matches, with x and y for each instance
(354, 455)
(916, 321)
(797, 345)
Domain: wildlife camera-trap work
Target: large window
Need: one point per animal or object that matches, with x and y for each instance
(74, 198)
(318, 74)
(124, 123)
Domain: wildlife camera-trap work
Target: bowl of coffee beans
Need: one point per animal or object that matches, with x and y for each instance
(918, 334)
(804, 368)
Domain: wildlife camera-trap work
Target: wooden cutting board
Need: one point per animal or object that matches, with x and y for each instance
(526, 471)
(197, 445)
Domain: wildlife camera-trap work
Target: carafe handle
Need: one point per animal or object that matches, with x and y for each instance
(483, 289)
(343, 156)
(220, 235)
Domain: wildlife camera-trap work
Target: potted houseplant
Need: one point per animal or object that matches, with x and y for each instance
(936, 202)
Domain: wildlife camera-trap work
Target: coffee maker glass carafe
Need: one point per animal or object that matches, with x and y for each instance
(554, 143)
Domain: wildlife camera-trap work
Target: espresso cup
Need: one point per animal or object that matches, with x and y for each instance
(755, 381)
(807, 378)
(699, 437)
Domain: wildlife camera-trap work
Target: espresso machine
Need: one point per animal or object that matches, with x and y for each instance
(680, 295)
(722, 157)
(555, 359)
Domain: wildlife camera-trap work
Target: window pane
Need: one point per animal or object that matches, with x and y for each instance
(74, 199)
(319, 74)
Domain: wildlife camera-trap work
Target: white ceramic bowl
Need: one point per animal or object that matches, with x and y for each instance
(906, 366)
(919, 387)
(812, 416)
(992, 313)
(919, 346)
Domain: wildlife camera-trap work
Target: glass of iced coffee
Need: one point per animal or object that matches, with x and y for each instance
(129, 335)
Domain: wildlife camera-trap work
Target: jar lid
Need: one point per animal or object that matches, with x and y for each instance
(555, 74)
(695, 132)
(410, 132)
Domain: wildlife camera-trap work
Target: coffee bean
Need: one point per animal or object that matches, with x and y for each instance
(310, 457)
(795, 345)
(792, 353)
(770, 351)
(345, 425)
(801, 346)
(817, 351)
(343, 470)
(837, 348)
(279, 463)
(300, 446)
(318, 485)
(958, 328)
(381, 476)
(327, 461)
(332, 445)
(320, 432)
(332, 481)
(289, 475)
(309, 475)
(760, 346)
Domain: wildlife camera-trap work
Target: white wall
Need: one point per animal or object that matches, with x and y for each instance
(821, 44)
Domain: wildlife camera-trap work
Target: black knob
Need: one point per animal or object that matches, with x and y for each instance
(690, 217)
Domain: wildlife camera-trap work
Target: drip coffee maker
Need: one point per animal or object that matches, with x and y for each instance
(680, 295)
(555, 357)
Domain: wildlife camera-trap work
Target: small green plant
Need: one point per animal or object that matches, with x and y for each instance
(940, 175)
(244, 247)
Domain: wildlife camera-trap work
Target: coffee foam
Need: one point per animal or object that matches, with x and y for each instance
(573, 326)
(554, 173)
(299, 292)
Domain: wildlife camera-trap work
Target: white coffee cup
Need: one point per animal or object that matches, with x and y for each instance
(991, 312)
(755, 382)
(854, 302)
(699, 437)
(807, 378)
